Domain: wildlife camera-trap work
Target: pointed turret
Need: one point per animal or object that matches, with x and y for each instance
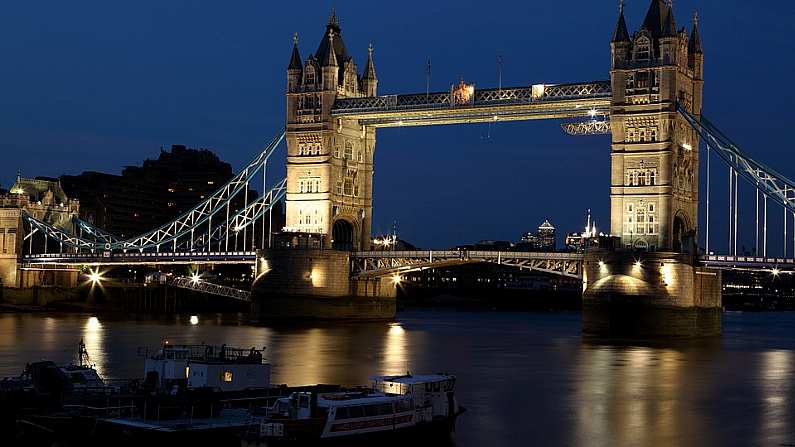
(369, 79)
(295, 59)
(694, 46)
(654, 22)
(295, 69)
(669, 27)
(620, 34)
(331, 56)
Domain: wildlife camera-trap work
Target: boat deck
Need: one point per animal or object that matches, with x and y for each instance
(231, 418)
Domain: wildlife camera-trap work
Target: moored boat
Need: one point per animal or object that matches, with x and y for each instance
(394, 406)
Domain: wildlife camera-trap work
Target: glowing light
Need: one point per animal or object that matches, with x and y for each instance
(667, 274)
(194, 320)
(95, 277)
(195, 278)
(396, 279)
(638, 264)
(776, 272)
(592, 113)
(601, 264)
(687, 146)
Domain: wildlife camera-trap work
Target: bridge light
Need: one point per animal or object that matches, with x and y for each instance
(687, 146)
(194, 278)
(638, 264)
(194, 320)
(776, 272)
(601, 264)
(396, 279)
(95, 277)
(592, 113)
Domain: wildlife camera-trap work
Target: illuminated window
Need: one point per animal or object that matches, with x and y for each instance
(227, 376)
(210, 182)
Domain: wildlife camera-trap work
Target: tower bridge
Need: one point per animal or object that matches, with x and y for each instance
(651, 106)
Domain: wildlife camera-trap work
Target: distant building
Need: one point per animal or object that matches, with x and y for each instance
(542, 240)
(546, 237)
(144, 197)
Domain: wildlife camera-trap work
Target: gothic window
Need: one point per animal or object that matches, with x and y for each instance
(630, 82)
(359, 156)
(642, 49)
(336, 151)
(309, 75)
(356, 190)
(338, 187)
(348, 187)
(348, 151)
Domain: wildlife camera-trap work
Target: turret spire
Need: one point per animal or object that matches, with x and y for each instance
(295, 59)
(333, 20)
(620, 34)
(369, 70)
(694, 46)
(669, 27)
(331, 55)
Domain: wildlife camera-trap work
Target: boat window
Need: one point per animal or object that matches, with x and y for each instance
(355, 412)
(342, 412)
(403, 405)
(371, 410)
(227, 376)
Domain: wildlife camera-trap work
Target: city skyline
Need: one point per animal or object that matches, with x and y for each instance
(106, 98)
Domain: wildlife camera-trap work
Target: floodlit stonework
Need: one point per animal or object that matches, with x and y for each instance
(654, 167)
(329, 160)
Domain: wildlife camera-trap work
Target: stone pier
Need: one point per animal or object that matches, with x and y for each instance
(649, 295)
(316, 284)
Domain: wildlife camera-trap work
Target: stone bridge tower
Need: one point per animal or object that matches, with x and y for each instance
(329, 160)
(654, 167)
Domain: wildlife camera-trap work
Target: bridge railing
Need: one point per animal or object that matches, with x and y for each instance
(485, 97)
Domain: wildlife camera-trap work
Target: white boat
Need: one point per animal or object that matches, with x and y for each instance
(394, 405)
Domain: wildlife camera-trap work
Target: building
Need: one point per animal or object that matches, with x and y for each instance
(143, 197)
(655, 158)
(546, 236)
(329, 162)
(44, 199)
(542, 240)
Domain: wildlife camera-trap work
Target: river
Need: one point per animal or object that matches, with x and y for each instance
(525, 378)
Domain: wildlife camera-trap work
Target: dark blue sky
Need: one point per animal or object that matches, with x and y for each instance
(96, 85)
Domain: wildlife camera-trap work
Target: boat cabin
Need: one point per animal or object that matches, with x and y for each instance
(197, 366)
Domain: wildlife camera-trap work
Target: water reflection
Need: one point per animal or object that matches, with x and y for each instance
(629, 396)
(776, 389)
(395, 358)
(94, 338)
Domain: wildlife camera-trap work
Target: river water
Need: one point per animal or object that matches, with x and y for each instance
(525, 378)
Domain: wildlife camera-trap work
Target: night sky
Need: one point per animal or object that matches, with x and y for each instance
(97, 85)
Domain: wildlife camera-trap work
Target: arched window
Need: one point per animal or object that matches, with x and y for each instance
(642, 49)
(309, 75)
(348, 151)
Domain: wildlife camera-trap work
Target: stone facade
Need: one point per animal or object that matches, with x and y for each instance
(317, 284)
(45, 200)
(656, 294)
(655, 156)
(329, 161)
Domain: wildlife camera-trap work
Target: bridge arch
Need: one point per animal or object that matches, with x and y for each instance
(342, 235)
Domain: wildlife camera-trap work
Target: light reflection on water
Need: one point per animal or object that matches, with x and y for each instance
(526, 379)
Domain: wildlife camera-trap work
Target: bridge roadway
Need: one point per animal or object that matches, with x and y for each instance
(383, 263)
(543, 101)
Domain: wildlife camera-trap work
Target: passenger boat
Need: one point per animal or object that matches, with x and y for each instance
(394, 405)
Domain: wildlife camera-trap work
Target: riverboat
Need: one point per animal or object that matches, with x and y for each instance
(392, 407)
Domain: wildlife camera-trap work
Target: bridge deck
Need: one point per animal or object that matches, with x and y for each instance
(108, 258)
(507, 104)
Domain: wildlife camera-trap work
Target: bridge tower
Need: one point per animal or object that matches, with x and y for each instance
(654, 173)
(329, 161)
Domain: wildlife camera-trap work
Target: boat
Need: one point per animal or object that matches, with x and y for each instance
(393, 406)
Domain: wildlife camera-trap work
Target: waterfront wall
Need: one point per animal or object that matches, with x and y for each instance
(649, 295)
(296, 284)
